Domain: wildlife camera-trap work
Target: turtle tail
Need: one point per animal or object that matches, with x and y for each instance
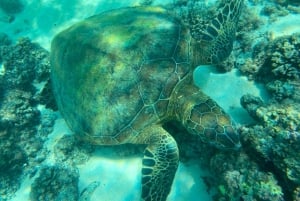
(215, 37)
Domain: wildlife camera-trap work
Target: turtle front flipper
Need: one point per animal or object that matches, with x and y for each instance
(215, 38)
(160, 163)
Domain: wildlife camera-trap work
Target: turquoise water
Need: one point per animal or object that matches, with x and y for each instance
(258, 86)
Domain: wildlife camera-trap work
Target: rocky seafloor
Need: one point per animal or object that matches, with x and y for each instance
(267, 168)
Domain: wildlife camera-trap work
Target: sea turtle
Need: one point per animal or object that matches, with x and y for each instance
(118, 76)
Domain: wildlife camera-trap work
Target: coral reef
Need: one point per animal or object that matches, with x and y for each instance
(23, 128)
(18, 121)
(25, 64)
(283, 58)
(278, 59)
(281, 90)
(239, 178)
(287, 2)
(251, 103)
(276, 139)
(12, 162)
(234, 175)
(267, 168)
(271, 144)
(277, 65)
(273, 11)
(249, 22)
(226, 65)
(55, 183)
(72, 151)
(278, 8)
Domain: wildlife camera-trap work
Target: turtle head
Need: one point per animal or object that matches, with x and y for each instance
(213, 39)
(202, 116)
(208, 121)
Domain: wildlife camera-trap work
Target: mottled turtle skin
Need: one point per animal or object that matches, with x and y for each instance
(119, 76)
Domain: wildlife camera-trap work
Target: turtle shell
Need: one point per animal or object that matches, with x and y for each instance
(113, 73)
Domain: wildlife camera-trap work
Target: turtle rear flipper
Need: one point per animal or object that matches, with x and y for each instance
(160, 163)
(215, 37)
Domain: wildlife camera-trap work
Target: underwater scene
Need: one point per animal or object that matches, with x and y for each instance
(153, 100)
